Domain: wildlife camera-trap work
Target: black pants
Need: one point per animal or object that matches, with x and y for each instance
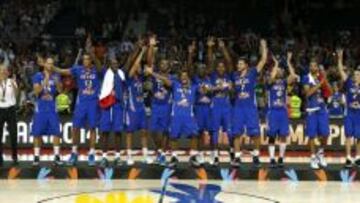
(8, 116)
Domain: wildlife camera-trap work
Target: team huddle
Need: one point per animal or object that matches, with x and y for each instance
(213, 100)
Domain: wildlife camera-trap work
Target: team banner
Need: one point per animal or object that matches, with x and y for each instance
(296, 140)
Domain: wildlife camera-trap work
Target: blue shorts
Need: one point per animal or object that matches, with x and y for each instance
(203, 117)
(112, 119)
(277, 122)
(183, 125)
(317, 124)
(160, 117)
(86, 114)
(352, 123)
(221, 118)
(45, 123)
(135, 120)
(245, 120)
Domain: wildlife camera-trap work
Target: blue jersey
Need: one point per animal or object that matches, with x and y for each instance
(162, 94)
(135, 93)
(183, 99)
(45, 102)
(245, 87)
(88, 82)
(335, 104)
(221, 97)
(315, 101)
(201, 98)
(277, 94)
(352, 94)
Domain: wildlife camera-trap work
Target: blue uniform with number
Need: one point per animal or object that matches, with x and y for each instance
(317, 119)
(277, 116)
(202, 104)
(135, 118)
(160, 107)
(335, 105)
(352, 113)
(112, 118)
(220, 106)
(45, 120)
(245, 117)
(182, 116)
(86, 114)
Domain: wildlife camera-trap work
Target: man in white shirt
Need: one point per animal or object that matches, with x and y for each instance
(8, 88)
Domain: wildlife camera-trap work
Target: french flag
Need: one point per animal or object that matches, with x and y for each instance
(107, 94)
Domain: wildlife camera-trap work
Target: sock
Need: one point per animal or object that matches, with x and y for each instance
(56, 150)
(104, 155)
(282, 149)
(349, 157)
(237, 154)
(37, 151)
(357, 157)
(320, 151)
(74, 149)
(216, 153)
(128, 152)
(117, 155)
(145, 151)
(160, 151)
(255, 152)
(271, 151)
(91, 151)
(193, 152)
(173, 154)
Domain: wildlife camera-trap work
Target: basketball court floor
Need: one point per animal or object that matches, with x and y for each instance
(148, 191)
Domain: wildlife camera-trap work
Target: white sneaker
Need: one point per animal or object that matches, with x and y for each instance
(322, 160)
(201, 158)
(130, 161)
(148, 160)
(314, 163)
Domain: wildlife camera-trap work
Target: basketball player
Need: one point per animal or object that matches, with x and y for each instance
(45, 120)
(352, 112)
(182, 116)
(317, 118)
(277, 116)
(245, 118)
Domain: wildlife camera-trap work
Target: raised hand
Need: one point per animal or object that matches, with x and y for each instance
(152, 40)
(289, 56)
(210, 42)
(192, 47)
(263, 43)
(221, 43)
(340, 53)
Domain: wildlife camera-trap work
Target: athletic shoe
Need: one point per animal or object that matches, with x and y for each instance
(272, 163)
(57, 161)
(194, 161)
(173, 162)
(348, 163)
(36, 161)
(256, 161)
(281, 162)
(314, 163)
(201, 159)
(130, 161)
(357, 162)
(161, 159)
(322, 161)
(236, 162)
(73, 159)
(104, 163)
(91, 160)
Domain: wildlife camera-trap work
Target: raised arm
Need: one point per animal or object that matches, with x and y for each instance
(190, 58)
(228, 60)
(274, 70)
(164, 79)
(292, 75)
(150, 56)
(136, 65)
(264, 53)
(41, 63)
(340, 65)
(132, 56)
(209, 56)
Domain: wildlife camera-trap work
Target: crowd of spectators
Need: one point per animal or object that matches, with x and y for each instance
(116, 33)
